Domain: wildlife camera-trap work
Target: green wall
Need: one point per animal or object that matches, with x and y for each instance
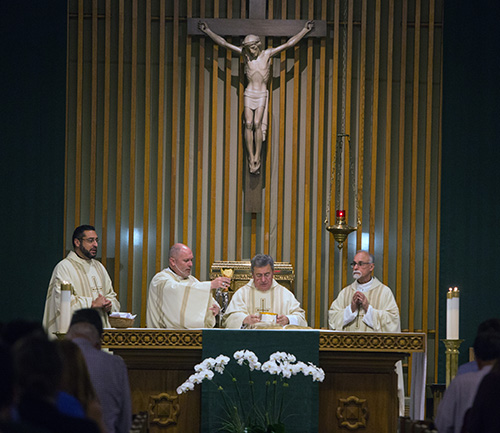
(470, 211)
(32, 101)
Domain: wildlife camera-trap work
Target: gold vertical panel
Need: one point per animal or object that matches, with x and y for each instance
(253, 236)
(240, 157)
(281, 145)
(132, 180)
(187, 140)
(374, 139)
(438, 222)
(414, 173)
(362, 109)
(428, 166)
(348, 107)
(105, 158)
(93, 127)
(333, 142)
(199, 140)
(79, 116)
(320, 173)
(119, 145)
(174, 145)
(269, 155)
(388, 140)
(227, 142)
(295, 147)
(147, 164)
(213, 142)
(307, 170)
(161, 123)
(414, 164)
(401, 154)
(267, 175)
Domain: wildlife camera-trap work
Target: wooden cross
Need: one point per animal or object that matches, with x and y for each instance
(256, 24)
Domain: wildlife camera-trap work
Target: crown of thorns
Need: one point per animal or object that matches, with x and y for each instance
(250, 40)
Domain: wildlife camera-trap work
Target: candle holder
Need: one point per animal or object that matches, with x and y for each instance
(340, 230)
(452, 353)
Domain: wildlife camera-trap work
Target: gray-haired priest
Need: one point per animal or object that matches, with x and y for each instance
(367, 305)
(262, 294)
(177, 300)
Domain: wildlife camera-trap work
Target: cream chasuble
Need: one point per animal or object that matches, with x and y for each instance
(249, 300)
(88, 278)
(384, 314)
(384, 317)
(179, 303)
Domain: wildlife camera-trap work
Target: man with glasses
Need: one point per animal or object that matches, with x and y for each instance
(367, 305)
(262, 294)
(91, 285)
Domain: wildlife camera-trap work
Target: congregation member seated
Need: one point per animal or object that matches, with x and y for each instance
(488, 325)
(76, 383)
(38, 371)
(483, 416)
(459, 396)
(261, 295)
(177, 300)
(108, 373)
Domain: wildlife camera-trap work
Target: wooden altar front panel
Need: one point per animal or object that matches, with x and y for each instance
(359, 392)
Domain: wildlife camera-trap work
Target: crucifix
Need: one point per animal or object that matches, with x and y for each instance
(262, 308)
(257, 62)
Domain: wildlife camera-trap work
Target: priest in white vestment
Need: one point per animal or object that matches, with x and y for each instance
(262, 294)
(177, 300)
(91, 286)
(367, 305)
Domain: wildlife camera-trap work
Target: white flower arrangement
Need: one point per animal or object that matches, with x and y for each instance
(254, 419)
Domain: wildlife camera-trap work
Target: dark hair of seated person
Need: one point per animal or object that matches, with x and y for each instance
(88, 315)
(37, 372)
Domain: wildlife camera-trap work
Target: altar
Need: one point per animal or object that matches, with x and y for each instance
(359, 392)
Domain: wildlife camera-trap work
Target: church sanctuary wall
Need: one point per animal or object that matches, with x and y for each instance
(470, 229)
(154, 150)
(32, 126)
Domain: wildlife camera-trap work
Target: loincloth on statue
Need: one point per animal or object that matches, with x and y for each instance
(254, 99)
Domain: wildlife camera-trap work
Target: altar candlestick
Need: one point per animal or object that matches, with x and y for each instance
(452, 313)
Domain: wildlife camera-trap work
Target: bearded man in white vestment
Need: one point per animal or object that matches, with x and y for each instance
(90, 281)
(263, 294)
(367, 305)
(177, 300)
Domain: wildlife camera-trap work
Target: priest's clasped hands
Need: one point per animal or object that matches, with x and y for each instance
(359, 300)
(102, 302)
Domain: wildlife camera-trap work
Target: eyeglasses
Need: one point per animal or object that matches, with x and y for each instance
(90, 240)
(360, 264)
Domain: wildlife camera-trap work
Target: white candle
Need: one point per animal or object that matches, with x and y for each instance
(452, 313)
(65, 311)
